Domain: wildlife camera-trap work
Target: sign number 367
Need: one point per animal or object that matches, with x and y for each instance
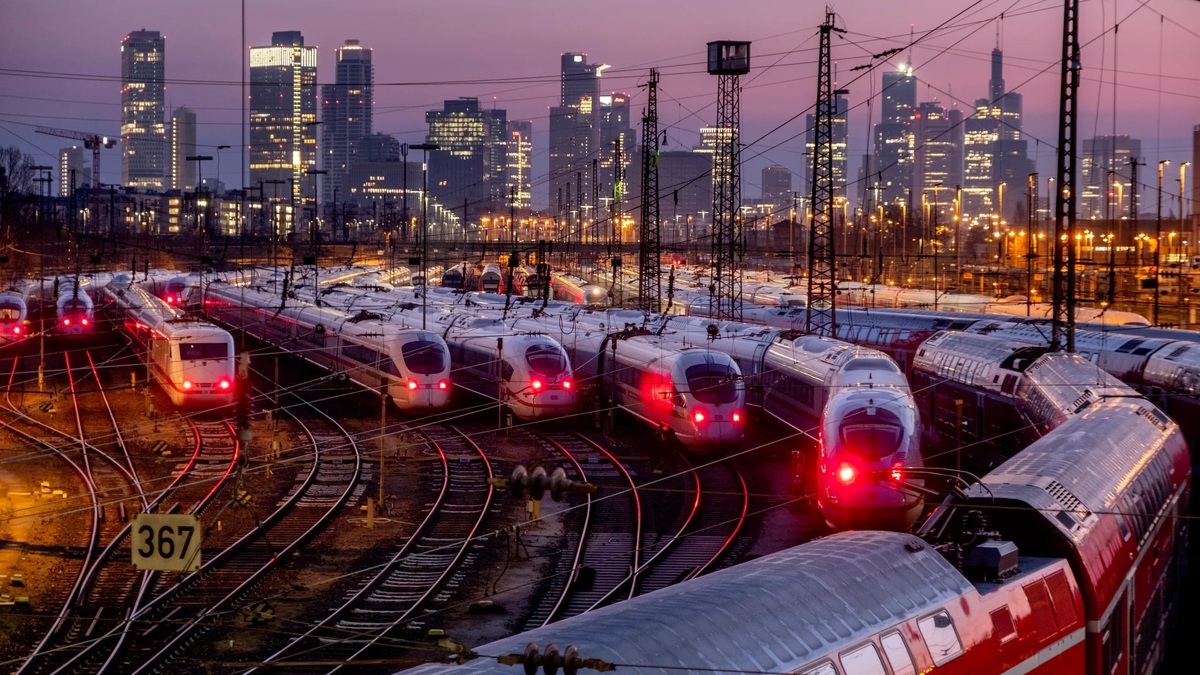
(169, 542)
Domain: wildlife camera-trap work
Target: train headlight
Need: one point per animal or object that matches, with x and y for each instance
(16, 330)
(698, 416)
(566, 384)
(537, 385)
(443, 385)
(737, 416)
(83, 321)
(66, 322)
(412, 385)
(846, 474)
(224, 384)
(187, 384)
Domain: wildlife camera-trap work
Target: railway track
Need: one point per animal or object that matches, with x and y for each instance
(176, 619)
(417, 576)
(600, 560)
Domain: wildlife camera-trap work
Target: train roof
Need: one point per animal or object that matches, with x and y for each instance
(798, 604)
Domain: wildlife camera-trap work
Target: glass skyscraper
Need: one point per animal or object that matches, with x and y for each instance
(283, 114)
(143, 109)
(346, 115)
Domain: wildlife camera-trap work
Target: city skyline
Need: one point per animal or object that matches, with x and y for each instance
(951, 67)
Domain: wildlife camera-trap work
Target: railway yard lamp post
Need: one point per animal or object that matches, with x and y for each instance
(1158, 240)
(424, 148)
(314, 233)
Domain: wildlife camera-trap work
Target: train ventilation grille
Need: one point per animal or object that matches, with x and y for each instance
(1075, 514)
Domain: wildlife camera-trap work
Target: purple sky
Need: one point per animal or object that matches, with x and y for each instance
(419, 46)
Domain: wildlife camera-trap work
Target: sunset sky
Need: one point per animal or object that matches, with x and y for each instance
(507, 53)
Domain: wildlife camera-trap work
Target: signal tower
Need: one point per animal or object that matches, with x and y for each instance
(650, 251)
(822, 275)
(728, 60)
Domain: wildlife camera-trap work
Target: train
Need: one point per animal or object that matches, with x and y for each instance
(690, 394)
(74, 309)
(14, 315)
(573, 289)
(1065, 559)
(413, 366)
(529, 374)
(491, 280)
(192, 360)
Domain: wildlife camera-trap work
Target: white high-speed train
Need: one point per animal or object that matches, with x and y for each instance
(693, 394)
(530, 374)
(74, 309)
(413, 365)
(192, 360)
(14, 315)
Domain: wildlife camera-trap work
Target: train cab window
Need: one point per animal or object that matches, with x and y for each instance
(823, 668)
(940, 637)
(872, 440)
(712, 383)
(202, 351)
(506, 370)
(423, 357)
(862, 661)
(546, 360)
(897, 654)
(872, 364)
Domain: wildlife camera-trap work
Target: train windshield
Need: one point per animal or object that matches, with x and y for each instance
(424, 358)
(712, 383)
(202, 351)
(872, 433)
(10, 310)
(546, 360)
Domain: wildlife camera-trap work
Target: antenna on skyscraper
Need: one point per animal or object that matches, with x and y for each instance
(912, 39)
(999, 27)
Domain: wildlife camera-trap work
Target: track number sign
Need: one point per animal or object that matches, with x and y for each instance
(167, 542)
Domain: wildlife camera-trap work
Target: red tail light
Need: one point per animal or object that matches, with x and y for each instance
(698, 416)
(224, 384)
(898, 472)
(846, 474)
(442, 384)
(16, 330)
(66, 322)
(412, 385)
(566, 384)
(537, 385)
(83, 321)
(737, 416)
(187, 384)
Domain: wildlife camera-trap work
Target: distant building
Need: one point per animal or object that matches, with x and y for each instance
(938, 161)
(183, 145)
(892, 170)
(283, 114)
(575, 144)
(1107, 164)
(520, 161)
(777, 187)
(688, 177)
(347, 114)
(71, 160)
(143, 109)
(996, 160)
(615, 127)
(469, 166)
(378, 148)
(838, 146)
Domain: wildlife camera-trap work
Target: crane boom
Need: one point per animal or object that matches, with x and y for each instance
(91, 141)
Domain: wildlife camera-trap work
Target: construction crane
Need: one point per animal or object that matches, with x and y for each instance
(92, 142)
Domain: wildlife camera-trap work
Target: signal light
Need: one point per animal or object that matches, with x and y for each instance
(846, 474)
(224, 384)
(412, 385)
(698, 416)
(898, 472)
(187, 384)
(737, 416)
(442, 384)
(537, 385)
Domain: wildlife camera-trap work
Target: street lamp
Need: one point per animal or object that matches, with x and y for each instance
(1182, 214)
(424, 148)
(199, 179)
(219, 149)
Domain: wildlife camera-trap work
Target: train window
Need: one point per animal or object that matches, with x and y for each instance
(897, 654)
(712, 383)
(1041, 609)
(1002, 624)
(546, 359)
(871, 364)
(823, 668)
(423, 357)
(1112, 638)
(872, 442)
(199, 351)
(1060, 595)
(506, 370)
(940, 637)
(862, 661)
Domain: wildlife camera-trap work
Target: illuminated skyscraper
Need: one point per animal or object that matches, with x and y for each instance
(615, 127)
(346, 115)
(520, 161)
(892, 170)
(575, 135)
(470, 164)
(938, 165)
(71, 160)
(183, 145)
(143, 108)
(777, 187)
(283, 113)
(840, 109)
(995, 153)
(1107, 163)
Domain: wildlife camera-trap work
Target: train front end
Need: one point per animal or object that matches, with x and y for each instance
(200, 367)
(711, 404)
(538, 378)
(422, 362)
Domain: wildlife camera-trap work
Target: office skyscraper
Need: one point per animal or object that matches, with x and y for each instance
(470, 164)
(575, 136)
(615, 127)
(995, 153)
(938, 161)
(183, 145)
(892, 173)
(839, 143)
(71, 160)
(347, 114)
(283, 112)
(777, 186)
(1107, 165)
(143, 108)
(520, 161)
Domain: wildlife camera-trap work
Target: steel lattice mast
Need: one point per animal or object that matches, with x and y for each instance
(822, 274)
(650, 251)
(1062, 335)
(727, 60)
